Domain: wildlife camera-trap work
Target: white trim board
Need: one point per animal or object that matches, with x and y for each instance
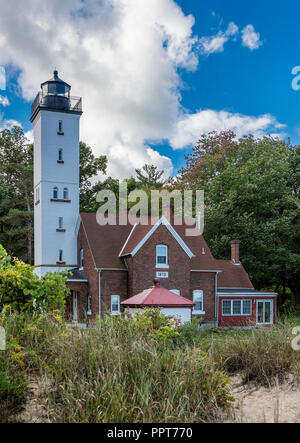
(127, 240)
(163, 221)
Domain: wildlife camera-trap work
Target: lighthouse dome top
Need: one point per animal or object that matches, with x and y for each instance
(56, 80)
(55, 96)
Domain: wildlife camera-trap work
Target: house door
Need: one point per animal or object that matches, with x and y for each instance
(75, 306)
(264, 312)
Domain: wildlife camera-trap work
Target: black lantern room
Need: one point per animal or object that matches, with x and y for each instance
(55, 96)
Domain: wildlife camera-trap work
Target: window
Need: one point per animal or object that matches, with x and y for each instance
(236, 307)
(115, 304)
(198, 299)
(60, 126)
(60, 223)
(60, 256)
(55, 193)
(81, 254)
(176, 291)
(247, 307)
(66, 194)
(89, 305)
(161, 256)
(226, 307)
(60, 155)
(37, 195)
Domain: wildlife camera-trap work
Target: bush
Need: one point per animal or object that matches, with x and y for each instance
(262, 355)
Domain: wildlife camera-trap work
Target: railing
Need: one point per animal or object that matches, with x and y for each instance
(57, 102)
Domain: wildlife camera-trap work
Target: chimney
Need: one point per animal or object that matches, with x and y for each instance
(235, 251)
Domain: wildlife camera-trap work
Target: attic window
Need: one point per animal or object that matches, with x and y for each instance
(161, 256)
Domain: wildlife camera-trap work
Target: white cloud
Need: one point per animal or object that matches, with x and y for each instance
(192, 126)
(4, 101)
(215, 43)
(8, 123)
(120, 55)
(250, 38)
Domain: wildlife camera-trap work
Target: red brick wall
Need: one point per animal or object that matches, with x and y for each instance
(82, 293)
(142, 267)
(112, 283)
(243, 320)
(90, 271)
(206, 282)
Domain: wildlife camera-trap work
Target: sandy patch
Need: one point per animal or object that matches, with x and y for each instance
(277, 404)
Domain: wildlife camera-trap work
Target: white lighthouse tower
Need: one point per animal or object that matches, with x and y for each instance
(55, 116)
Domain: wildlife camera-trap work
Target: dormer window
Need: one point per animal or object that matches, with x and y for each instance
(66, 194)
(161, 256)
(55, 193)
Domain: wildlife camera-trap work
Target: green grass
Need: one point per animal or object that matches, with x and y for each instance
(119, 371)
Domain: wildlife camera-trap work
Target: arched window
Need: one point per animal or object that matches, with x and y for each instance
(55, 193)
(115, 304)
(161, 256)
(198, 299)
(66, 193)
(81, 256)
(60, 155)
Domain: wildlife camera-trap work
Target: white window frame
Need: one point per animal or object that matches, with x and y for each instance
(162, 265)
(89, 305)
(81, 258)
(66, 194)
(196, 293)
(60, 223)
(113, 312)
(242, 314)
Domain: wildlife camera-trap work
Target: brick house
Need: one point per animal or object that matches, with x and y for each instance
(117, 262)
(112, 263)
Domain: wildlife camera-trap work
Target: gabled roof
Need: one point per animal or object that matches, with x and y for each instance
(105, 241)
(158, 296)
(141, 233)
(110, 243)
(232, 275)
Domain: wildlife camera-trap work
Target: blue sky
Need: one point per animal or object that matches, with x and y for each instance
(233, 78)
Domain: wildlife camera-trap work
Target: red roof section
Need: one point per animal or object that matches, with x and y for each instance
(106, 243)
(158, 296)
(233, 276)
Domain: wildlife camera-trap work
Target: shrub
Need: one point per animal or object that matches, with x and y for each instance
(22, 289)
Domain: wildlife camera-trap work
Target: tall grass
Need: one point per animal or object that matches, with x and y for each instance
(114, 373)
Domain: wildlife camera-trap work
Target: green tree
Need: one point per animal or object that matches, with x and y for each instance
(90, 166)
(16, 201)
(251, 193)
(150, 177)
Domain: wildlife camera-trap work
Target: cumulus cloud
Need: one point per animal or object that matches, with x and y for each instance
(250, 38)
(4, 101)
(191, 127)
(122, 56)
(215, 43)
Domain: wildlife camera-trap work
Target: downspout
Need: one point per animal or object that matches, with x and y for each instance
(216, 300)
(99, 292)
